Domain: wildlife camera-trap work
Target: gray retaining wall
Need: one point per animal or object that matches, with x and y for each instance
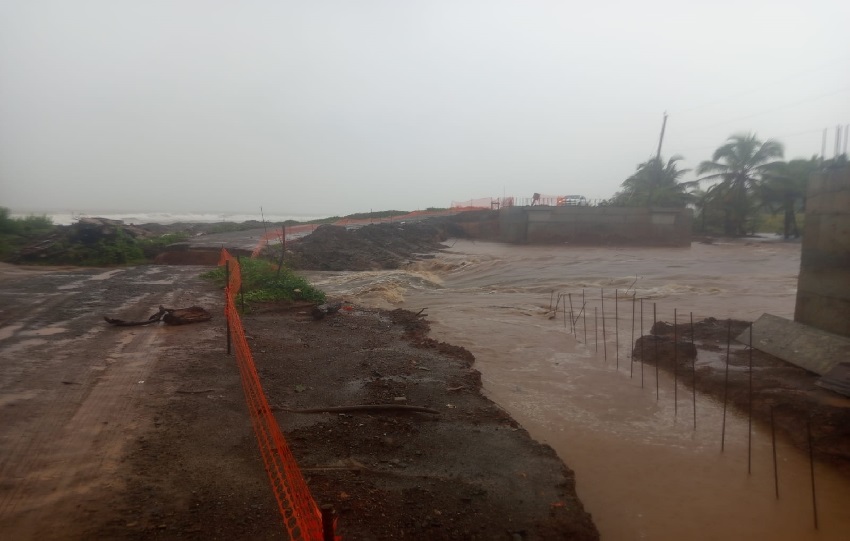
(654, 226)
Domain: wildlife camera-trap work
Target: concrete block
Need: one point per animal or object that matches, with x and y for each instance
(804, 346)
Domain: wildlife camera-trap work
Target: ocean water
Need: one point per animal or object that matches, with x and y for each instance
(642, 470)
(69, 217)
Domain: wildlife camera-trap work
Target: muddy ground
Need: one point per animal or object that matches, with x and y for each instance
(789, 391)
(142, 432)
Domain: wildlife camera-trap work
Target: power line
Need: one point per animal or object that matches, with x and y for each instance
(771, 110)
(783, 136)
(795, 75)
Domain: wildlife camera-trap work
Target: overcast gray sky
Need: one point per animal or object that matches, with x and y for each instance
(334, 107)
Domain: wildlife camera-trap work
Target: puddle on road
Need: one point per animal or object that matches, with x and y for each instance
(154, 282)
(50, 330)
(10, 398)
(106, 275)
(23, 345)
(9, 331)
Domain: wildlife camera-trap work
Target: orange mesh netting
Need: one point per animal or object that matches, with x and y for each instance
(299, 511)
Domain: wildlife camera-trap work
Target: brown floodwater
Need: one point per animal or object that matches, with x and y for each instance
(643, 469)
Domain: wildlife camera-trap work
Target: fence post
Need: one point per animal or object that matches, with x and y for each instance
(327, 522)
(227, 300)
(241, 294)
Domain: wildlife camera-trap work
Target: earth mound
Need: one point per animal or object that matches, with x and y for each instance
(371, 247)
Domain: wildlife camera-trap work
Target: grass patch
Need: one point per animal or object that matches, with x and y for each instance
(261, 282)
(17, 232)
(153, 246)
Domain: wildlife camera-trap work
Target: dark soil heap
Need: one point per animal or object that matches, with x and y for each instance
(468, 473)
(371, 247)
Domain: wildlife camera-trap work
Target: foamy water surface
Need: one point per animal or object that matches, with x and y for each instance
(643, 470)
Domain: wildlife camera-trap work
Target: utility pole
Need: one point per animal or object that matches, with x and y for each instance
(823, 146)
(846, 136)
(837, 141)
(661, 139)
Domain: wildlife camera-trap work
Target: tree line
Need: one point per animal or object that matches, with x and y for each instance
(746, 177)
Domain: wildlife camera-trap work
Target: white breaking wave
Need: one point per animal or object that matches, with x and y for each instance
(68, 218)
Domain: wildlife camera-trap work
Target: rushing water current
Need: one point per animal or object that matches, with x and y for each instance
(643, 470)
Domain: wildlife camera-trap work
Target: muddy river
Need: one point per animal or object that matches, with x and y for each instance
(647, 468)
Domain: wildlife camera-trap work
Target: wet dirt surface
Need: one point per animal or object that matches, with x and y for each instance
(140, 433)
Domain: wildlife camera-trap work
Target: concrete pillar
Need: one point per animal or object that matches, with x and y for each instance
(823, 288)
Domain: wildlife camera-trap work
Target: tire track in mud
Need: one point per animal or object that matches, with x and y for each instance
(69, 438)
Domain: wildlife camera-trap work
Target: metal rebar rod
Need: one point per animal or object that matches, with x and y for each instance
(773, 444)
(750, 409)
(583, 305)
(675, 365)
(641, 344)
(632, 343)
(812, 470)
(604, 337)
(617, 328)
(584, 319)
(596, 327)
(572, 322)
(655, 345)
(694, 373)
(725, 387)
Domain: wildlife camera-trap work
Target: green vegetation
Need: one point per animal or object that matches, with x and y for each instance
(117, 248)
(774, 223)
(121, 249)
(154, 245)
(18, 232)
(261, 282)
(784, 190)
(749, 187)
(654, 184)
(739, 166)
(34, 239)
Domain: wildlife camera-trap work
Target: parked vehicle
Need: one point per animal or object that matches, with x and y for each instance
(572, 201)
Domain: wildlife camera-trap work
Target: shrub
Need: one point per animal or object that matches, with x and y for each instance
(261, 282)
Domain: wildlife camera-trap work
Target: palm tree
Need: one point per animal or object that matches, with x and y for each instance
(784, 188)
(654, 183)
(738, 165)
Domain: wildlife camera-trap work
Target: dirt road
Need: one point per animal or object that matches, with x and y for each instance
(73, 389)
(142, 432)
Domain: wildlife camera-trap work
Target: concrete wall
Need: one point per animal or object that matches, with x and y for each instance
(596, 225)
(823, 288)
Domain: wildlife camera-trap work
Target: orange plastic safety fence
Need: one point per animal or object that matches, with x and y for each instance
(301, 516)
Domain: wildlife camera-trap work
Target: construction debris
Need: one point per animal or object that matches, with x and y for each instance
(169, 316)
